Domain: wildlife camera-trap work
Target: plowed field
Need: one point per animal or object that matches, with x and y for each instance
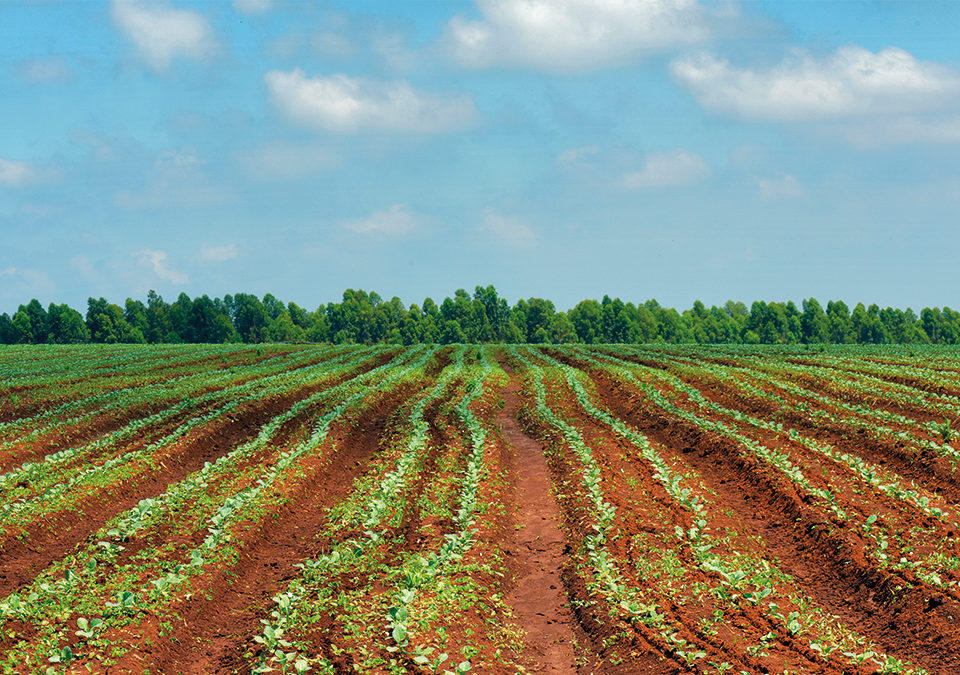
(549, 509)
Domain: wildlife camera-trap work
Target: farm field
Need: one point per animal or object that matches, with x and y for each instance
(486, 509)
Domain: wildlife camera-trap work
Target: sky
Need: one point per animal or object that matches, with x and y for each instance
(566, 149)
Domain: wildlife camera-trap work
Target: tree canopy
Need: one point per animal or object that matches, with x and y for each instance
(483, 317)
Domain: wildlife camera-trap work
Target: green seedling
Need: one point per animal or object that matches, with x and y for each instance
(64, 655)
(87, 629)
(126, 602)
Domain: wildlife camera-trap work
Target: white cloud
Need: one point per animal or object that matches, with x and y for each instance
(511, 231)
(210, 253)
(333, 44)
(251, 6)
(341, 103)
(889, 131)
(287, 161)
(162, 33)
(44, 69)
(165, 195)
(157, 261)
(175, 182)
(394, 52)
(853, 82)
(10, 271)
(39, 210)
(178, 160)
(578, 156)
(668, 168)
(787, 186)
(14, 173)
(396, 220)
(573, 35)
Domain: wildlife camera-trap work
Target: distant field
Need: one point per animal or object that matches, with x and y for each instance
(342, 509)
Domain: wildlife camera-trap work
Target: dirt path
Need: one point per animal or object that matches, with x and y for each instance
(536, 551)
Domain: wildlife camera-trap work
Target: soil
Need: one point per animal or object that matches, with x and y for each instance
(536, 551)
(913, 624)
(213, 636)
(566, 627)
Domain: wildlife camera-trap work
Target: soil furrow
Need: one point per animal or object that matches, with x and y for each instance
(926, 468)
(536, 550)
(222, 619)
(914, 624)
(645, 509)
(26, 551)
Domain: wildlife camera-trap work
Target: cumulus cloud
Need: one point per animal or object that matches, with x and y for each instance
(210, 253)
(161, 33)
(578, 156)
(852, 82)
(510, 231)
(333, 44)
(346, 104)
(176, 181)
(787, 186)
(251, 6)
(157, 261)
(178, 160)
(287, 161)
(573, 35)
(910, 129)
(44, 69)
(15, 174)
(396, 220)
(668, 168)
(166, 195)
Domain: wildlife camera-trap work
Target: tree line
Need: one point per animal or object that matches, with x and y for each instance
(366, 318)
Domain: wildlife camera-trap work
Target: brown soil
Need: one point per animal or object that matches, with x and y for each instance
(536, 551)
(915, 624)
(926, 468)
(567, 627)
(214, 634)
(27, 552)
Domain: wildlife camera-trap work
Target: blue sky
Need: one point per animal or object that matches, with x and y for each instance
(566, 149)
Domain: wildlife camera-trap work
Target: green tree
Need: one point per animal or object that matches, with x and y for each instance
(538, 313)
(949, 326)
(841, 326)
(431, 322)
(561, 330)
(931, 321)
(453, 333)
(135, 314)
(66, 325)
(283, 329)
(107, 325)
(814, 323)
(497, 312)
(319, 330)
(250, 318)
(159, 321)
(273, 307)
(208, 324)
(299, 316)
(22, 329)
(867, 326)
(39, 321)
(6, 330)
